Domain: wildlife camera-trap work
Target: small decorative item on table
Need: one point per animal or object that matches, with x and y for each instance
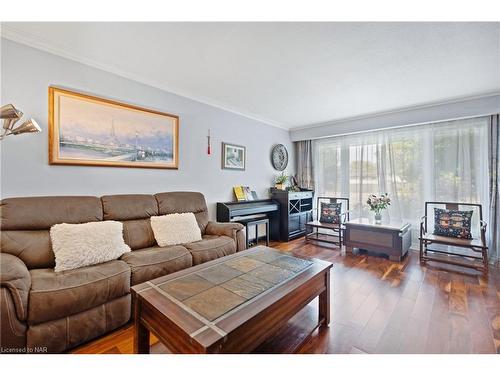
(377, 204)
(294, 185)
(239, 193)
(280, 181)
(244, 193)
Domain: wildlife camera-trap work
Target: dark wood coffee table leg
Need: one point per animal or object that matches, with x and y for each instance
(324, 302)
(141, 334)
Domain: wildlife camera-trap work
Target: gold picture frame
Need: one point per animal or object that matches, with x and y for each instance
(89, 130)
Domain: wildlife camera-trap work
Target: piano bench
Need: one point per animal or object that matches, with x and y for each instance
(256, 221)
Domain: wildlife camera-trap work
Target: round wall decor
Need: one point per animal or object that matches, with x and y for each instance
(279, 157)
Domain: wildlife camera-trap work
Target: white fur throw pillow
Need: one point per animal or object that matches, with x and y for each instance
(80, 245)
(175, 229)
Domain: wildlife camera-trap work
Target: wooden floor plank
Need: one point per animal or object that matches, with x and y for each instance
(378, 306)
(389, 342)
(481, 332)
(414, 336)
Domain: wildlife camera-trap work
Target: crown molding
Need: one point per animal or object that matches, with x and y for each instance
(397, 110)
(34, 41)
(464, 108)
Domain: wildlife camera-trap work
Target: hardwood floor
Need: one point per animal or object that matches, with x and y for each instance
(379, 306)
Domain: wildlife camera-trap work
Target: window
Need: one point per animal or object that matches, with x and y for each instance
(444, 161)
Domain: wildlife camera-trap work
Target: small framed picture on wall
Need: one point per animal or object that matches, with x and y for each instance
(233, 156)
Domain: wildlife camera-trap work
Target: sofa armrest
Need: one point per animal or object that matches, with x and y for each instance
(15, 277)
(223, 229)
(233, 230)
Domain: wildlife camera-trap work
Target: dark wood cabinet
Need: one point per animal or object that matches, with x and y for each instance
(295, 211)
(390, 238)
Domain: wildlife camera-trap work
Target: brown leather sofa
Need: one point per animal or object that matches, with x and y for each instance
(41, 310)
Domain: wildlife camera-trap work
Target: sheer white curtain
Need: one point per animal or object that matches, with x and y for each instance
(446, 161)
(494, 172)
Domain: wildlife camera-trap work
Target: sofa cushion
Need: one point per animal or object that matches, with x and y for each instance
(134, 210)
(138, 234)
(55, 295)
(129, 206)
(153, 262)
(178, 202)
(211, 247)
(33, 213)
(33, 247)
(25, 224)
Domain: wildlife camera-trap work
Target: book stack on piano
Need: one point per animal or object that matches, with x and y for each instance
(243, 194)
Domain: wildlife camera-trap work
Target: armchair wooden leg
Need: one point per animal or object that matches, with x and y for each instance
(485, 261)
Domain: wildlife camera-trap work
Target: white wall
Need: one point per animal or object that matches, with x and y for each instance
(26, 74)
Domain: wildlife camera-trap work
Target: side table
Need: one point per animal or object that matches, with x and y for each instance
(390, 238)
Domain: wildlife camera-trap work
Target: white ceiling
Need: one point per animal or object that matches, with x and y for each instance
(288, 74)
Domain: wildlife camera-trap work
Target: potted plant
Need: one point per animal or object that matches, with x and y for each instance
(280, 181)
(377, 204)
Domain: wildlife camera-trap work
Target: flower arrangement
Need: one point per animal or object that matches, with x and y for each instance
(378, 204)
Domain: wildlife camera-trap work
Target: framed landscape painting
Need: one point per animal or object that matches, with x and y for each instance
(233, 156)
(88, 130)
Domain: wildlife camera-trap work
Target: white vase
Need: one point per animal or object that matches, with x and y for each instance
(378, 218)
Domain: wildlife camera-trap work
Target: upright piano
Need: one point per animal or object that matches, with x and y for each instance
(231, 211)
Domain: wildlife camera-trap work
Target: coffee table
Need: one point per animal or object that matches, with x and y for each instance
(231, 304)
